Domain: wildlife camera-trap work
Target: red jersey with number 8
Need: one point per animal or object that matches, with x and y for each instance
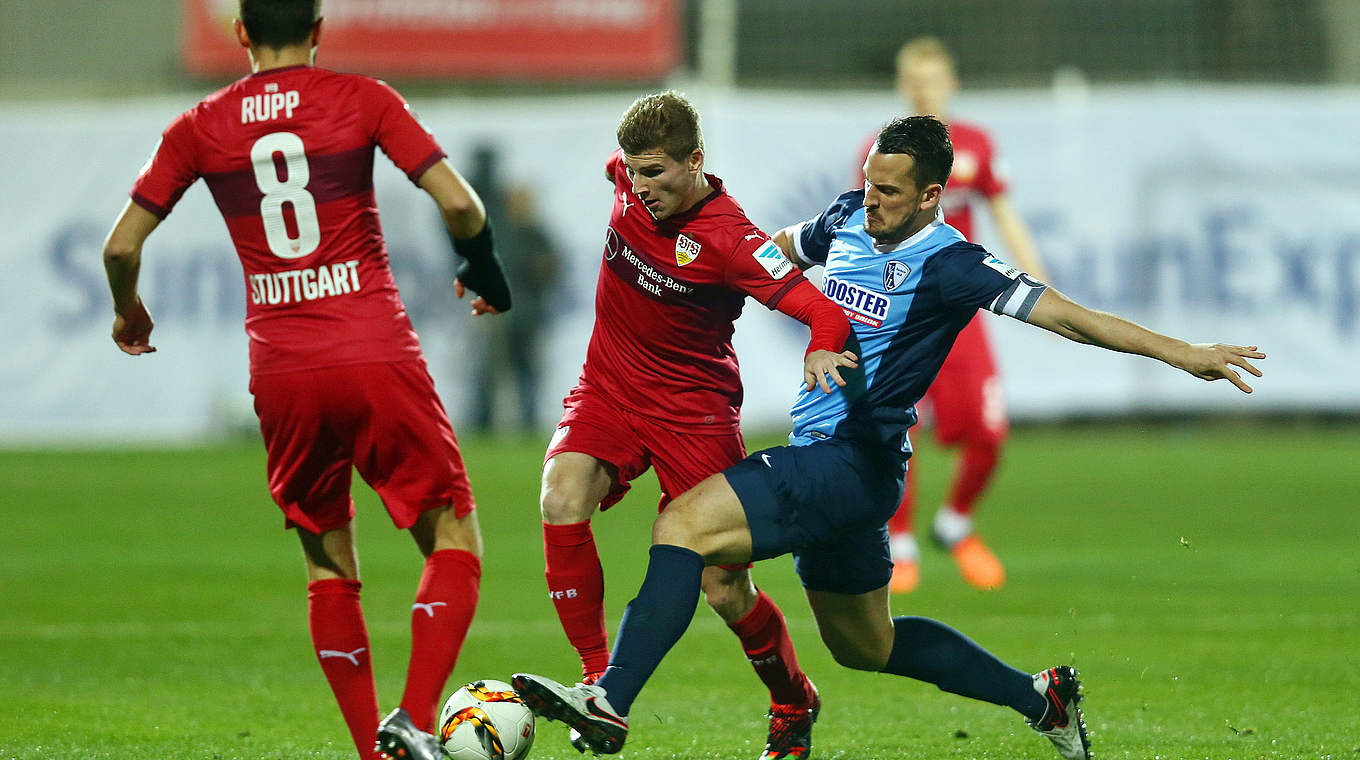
(288, 156)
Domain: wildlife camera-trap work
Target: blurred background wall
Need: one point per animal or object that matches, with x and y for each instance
(1189, 163)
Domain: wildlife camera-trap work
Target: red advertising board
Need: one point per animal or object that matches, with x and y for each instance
(530, 39)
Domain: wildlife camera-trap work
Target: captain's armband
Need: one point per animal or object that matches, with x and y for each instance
(1018, 300)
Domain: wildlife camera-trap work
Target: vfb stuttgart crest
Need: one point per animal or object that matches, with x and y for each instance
(686, 250)
(894, 274)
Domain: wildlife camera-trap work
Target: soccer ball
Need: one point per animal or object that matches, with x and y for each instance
(486, 720)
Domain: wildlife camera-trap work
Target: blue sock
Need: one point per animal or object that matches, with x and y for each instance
(652, 622)
(931, 651)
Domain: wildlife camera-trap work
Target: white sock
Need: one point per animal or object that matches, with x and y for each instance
(952, 527)
(903, 547)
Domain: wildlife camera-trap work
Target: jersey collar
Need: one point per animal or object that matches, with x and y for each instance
(271, 72)
(920, 235)
(693, 211)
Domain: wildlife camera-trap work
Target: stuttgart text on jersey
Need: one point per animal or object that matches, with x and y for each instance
(298, 285)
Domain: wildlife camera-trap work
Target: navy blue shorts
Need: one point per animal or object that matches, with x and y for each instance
(827, 503)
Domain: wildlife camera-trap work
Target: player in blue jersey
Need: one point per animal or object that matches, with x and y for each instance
(909, 283)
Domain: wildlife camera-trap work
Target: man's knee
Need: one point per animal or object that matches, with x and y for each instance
(573, 486)
(856, 653)
(679, 523)
(330, 554)
(983, 439)
(559, 506)
(729, 592)
(670, 527)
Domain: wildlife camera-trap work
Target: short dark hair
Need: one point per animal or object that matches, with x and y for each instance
(663, 120)
(277, 23)
(926, 140)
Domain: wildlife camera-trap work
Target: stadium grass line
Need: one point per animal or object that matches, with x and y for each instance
(1239, 646)
(142, 630)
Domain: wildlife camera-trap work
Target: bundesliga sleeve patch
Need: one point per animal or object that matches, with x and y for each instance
(770, 257)
(1005, 269)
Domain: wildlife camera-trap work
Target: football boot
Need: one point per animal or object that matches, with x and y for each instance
(906, 576)
(977, 564)
(399, 739)
(583, 707)
(790, 733)
(1062, 722)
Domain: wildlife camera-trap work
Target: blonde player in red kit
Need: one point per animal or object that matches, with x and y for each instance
(966, 400)
(336, 369)
(660, 387)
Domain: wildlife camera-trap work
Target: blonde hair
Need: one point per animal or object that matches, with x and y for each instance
(663, 120)
(923, 49)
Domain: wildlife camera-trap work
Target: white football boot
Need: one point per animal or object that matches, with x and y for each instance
(584, 708)
(1062, 722)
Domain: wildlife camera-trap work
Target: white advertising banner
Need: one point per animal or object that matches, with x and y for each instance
(1208, 213)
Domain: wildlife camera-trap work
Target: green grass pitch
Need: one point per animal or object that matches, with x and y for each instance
(1204, 580)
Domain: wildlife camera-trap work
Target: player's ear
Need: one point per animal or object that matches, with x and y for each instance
(695, 163)
(316, 32)
(241, 35)
(930, 197)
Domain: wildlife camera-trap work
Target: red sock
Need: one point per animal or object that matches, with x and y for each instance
(765, 639)
(445, 601)
(576, 587)
(900, 522)
(341, 641)
(977, 462)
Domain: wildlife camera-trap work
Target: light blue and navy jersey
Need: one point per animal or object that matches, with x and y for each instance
(907, 302)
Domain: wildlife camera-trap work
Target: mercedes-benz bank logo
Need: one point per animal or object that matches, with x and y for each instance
(611, 243)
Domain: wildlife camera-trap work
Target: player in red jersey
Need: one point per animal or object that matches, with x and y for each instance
(336, 369)
(660, 387)
(966, 399)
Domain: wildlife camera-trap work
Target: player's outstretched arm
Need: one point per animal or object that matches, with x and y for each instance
(1207, 361)
(465, 218)
(122, 262)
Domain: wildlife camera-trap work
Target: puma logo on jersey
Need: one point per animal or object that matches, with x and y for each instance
(333, 654)
(427, 608)
(623, 198)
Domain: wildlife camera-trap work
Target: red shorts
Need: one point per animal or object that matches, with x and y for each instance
(383, 419)
(596, 425)
(966, 397)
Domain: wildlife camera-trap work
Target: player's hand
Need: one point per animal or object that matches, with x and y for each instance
(819, 365)
(1214, 361)
(479, 304)
(486, 278)
(132, 332)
